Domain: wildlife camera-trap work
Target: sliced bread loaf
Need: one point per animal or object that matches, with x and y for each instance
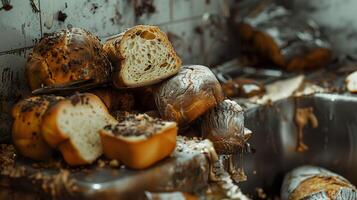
(141, 56)
(139, 141)
(72, 126)
(26, 128)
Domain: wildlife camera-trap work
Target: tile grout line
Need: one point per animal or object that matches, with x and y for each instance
(40, 13)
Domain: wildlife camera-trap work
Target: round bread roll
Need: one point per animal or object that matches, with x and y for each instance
(224, 126)
(65, 57)
(189, 94)
(310, 182)
(26, 129)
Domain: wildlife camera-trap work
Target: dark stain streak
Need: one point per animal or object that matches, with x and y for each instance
(6, 5)
(61, 16)
(34, 7)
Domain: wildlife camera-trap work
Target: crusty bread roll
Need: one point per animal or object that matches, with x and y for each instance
(67, 56)
(310, 182)
(189, 94)
(72, 125)
(141, 56)
(224, 126)
(116, 99)
(26, 128)
(139, 141)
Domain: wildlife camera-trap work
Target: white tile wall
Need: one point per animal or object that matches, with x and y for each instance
(19, 27)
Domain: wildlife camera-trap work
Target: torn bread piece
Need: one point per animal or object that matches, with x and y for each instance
(72, 125)
(351, 82)
(139, 141)
(26, 128)
(141, 56)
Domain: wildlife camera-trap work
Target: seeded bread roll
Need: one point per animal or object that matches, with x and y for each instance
(72, 125)
(189, 94)
(67, 56)
(26, 128)
(116, 99)
(316, 183)
(224, 126)
(141, 56)
(139, 141)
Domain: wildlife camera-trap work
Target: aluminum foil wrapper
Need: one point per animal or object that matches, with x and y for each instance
(292, 181)
(224, 126)
(281, 37)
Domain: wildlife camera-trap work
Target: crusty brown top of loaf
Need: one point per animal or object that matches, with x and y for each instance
(31, 104)
(65, 56)
(331, 185)
(136, 125)
(194, 86)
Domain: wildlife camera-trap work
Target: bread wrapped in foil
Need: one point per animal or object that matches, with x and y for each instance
(224, 126)
(275, 34)
(315, 183)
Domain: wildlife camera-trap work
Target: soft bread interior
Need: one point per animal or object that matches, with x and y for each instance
(81, 124)
(149, 57)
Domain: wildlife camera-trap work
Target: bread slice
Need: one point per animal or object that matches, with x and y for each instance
(139, 141)
(26, 128)
(141, 56)
(72, 126)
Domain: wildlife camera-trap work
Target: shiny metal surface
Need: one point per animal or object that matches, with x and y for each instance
(332, 145)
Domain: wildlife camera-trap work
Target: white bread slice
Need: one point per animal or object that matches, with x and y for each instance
(72, 126)
(139, 141)
(141, 56)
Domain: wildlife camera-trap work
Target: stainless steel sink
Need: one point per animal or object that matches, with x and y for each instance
(333, 144)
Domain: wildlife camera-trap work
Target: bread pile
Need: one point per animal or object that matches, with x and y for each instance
(133, 73)
(270, 33)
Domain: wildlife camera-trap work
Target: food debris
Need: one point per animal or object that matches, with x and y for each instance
(351, 82)
(261, 193)
(302, 117)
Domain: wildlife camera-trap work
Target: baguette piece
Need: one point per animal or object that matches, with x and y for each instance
(189, 94)
(26, 128)
(141, 56)
(72, 126)
(310, 182)
(139, 141)
(65, 57)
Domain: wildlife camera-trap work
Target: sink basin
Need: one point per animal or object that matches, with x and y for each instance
(332, 145)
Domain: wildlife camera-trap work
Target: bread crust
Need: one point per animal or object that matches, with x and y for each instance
(115, 100)
(115, 50)
(26, 130)
(142, 153)
(66, 56)
(60, 140)
(189, 94)
(224, 126)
